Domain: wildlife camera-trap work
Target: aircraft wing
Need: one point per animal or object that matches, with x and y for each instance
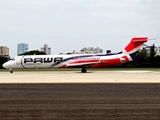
(81, 64)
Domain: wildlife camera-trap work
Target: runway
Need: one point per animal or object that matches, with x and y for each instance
(96, 95)
(78, 77)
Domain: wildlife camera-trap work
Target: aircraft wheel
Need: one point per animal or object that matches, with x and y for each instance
(83, 70)
(11, 70)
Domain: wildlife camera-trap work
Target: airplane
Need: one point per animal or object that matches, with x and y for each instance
(82, 61)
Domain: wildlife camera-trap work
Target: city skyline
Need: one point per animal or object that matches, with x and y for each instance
(24, 47)
(84, 50)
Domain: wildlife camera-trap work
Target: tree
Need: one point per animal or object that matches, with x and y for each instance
(2, 61)
(152, 51)
(143, 58)
(152, 56)
(34, 52)
(157, 61)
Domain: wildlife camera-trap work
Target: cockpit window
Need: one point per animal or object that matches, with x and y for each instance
(12, 59)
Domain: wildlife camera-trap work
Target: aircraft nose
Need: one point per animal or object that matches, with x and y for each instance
(6, 65)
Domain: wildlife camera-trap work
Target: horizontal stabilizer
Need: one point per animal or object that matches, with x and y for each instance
(143, 39)
(135, 44)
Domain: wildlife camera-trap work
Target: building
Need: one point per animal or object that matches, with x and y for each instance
(22, 48)
(157, 49)
(87, 50)
(4, 51)
(46, 49)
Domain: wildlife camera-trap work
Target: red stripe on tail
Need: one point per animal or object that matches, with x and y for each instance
(135, 43)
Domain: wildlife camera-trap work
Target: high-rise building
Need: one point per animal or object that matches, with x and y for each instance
(22, 48)
(46, 49)
(4, 51)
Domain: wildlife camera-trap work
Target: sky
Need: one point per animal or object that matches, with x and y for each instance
(67, 25)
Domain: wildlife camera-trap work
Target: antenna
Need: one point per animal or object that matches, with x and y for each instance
(152, 39)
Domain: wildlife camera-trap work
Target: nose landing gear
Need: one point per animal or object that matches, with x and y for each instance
(11, 70)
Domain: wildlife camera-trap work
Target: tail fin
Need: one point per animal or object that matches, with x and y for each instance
(135, 45)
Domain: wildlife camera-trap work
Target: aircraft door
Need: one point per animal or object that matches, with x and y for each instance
(18, 60)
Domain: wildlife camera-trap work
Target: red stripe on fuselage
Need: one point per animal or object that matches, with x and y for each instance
(126, 58)
(103, 63)
(107, 63)
(80, 61)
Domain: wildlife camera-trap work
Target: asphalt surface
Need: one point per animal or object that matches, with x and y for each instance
(87, 101)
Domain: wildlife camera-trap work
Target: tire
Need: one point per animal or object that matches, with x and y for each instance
(11, 71)
(83, 70)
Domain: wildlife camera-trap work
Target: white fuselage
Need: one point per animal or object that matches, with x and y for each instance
(65, 61)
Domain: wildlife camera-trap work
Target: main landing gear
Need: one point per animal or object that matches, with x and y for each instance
(83, 70)
(11, 70)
